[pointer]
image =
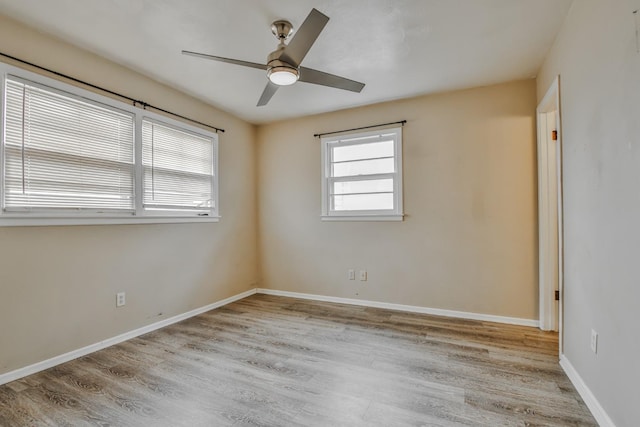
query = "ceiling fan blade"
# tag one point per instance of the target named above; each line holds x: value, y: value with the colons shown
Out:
x: 304, y: 38
x: 228, y: 60
x: 268, y: 92
x: 309, y: 75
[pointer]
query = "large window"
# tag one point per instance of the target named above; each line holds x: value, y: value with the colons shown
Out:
x: 73, y: 157
x: 362, y: 176
x: 64, y: 153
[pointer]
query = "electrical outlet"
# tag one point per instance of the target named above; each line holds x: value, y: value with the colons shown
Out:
x: 352, y: 274
x: 363, y: 275
x: 121, y: 299
x: 594, y: 341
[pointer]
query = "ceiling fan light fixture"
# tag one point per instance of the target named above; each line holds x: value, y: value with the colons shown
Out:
x: 283, y: 76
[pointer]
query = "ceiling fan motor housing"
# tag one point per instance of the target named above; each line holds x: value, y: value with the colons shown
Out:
x: 276, y: 65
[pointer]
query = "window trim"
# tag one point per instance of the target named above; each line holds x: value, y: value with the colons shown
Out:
x: 355, y: 138
x: 139, y: 215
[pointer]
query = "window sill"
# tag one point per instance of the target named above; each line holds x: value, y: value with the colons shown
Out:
x: 23, y: 221
x: 399, y: 217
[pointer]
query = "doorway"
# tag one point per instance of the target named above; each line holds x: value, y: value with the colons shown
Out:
x: 550, y: 255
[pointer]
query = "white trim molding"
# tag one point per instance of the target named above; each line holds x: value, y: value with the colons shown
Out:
x: 66, y: 357
x: 550, y: 212
x: 402, y: 307
x: 27, y: 220
x: 362, y: 218
x: 590, y: 400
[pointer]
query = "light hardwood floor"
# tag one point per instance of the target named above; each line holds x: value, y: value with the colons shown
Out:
x: 277, y: 361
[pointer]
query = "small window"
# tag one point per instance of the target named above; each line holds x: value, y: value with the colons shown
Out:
x: 178, y: 169
x: 362, y: 176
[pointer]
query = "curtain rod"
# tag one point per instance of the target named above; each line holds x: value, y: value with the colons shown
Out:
x: 401, y: 122
x: 135, y: 102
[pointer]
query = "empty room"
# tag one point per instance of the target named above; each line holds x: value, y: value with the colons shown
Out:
x: 319, y: 213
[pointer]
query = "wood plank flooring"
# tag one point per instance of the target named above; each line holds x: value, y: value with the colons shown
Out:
x: 275, y: 361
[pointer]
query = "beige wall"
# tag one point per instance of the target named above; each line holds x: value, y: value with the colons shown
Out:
x: 58, y: 284
x: 468, y: 242
x: 599, y: 67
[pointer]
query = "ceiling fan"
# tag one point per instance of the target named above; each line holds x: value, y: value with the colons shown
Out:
x: 283, y: 64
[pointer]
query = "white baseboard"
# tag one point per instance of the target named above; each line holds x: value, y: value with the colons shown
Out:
x: 401, y: 307
x: 57, y: 360
x: 590, y: 400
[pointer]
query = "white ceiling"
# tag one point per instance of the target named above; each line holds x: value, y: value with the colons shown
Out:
x: 399, y: 48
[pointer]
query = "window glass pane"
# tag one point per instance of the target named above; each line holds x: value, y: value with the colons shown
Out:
x: 367, y: 186
x: 361, y: 202
x: 65, y: 153
x: 364, y: 167
x: 178, y: 168
x: 363, y: 151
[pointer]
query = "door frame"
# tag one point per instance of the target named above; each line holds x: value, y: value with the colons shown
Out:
x: 548, y: 318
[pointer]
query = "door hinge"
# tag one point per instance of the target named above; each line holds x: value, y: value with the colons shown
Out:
x: 557, y: 295
x: 554, y: 135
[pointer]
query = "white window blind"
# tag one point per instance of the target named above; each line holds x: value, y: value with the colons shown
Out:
x: 62, y: 152
x: 362, y: 174
x: 178, y: 169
